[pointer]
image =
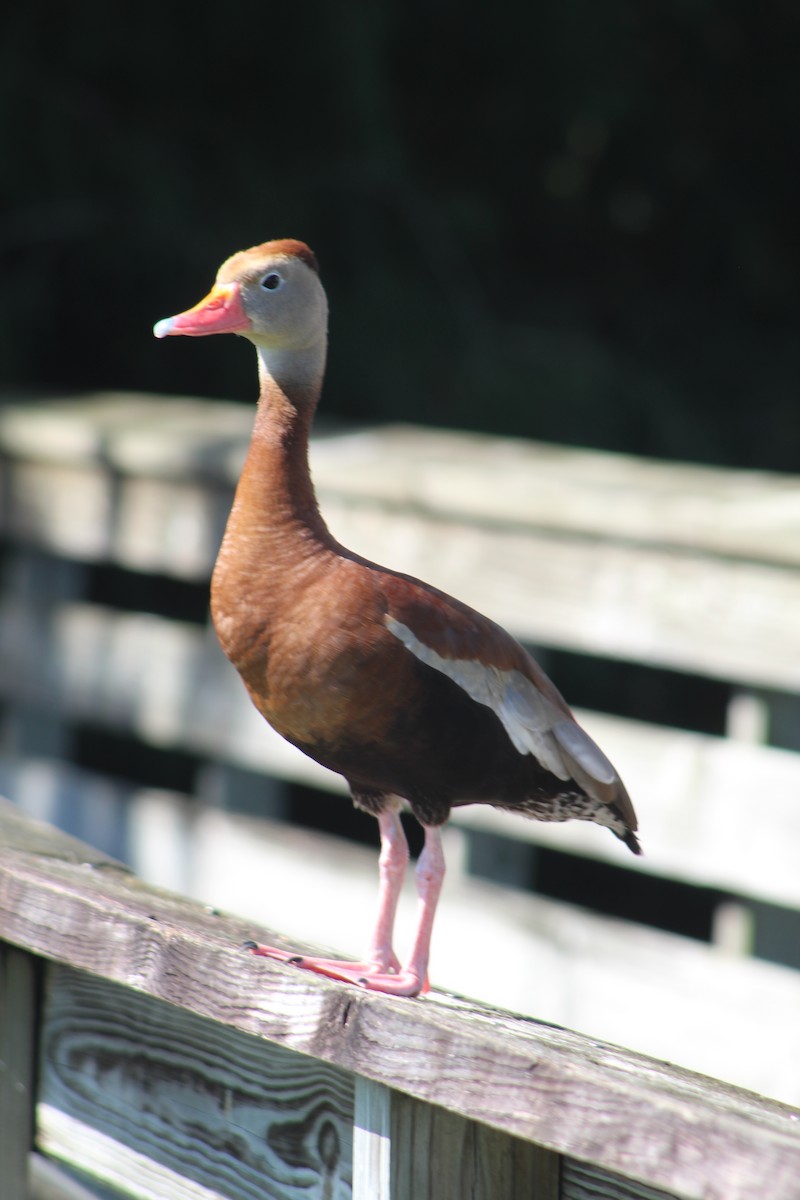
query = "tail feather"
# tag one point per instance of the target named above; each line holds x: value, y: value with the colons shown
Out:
x: 631, y: 841
x: 590, y: 768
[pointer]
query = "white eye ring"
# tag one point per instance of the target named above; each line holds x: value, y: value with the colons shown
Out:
x: 272, y: 281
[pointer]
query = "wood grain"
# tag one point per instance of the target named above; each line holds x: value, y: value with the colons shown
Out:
x: 635, y: 1116
x: 448, y: 1158
x: 372, y: 1142
x: 580, y: 1181
x: 49, y: 1180
x: 672, y: 997
x: 202, y: 1103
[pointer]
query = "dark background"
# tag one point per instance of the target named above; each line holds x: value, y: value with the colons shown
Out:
x: 570, y: 220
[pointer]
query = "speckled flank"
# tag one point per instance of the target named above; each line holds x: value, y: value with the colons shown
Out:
x: 570, y: 806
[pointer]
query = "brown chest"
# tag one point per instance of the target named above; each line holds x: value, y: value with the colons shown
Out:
x: 318, y: 661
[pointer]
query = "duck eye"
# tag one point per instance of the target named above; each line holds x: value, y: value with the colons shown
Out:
x: 272, y: 281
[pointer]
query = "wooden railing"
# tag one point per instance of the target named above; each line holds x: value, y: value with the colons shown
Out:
x: 143, y: 1049
x: 666, y: 565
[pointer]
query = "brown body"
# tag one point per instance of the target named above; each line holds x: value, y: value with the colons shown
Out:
x: 401, y: 689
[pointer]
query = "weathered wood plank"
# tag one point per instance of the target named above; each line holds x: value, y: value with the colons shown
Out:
x: 694, y: 795
x: 19, y: 835
x: 211, y: 1111
x: 724, y: 618
x: 643, y: 1119
x: 623, y: 579
x: 133, y: 433
x: 749, y: 514
x: 671, y: 997
x: 134, y: 1174
x: 580, y: 1181
x: 372, y: 1142
x: 143, y: 524
x: 445, y: 1157
x: 663, y: 995
x: 51, y: 1181
x: 18, y: 1003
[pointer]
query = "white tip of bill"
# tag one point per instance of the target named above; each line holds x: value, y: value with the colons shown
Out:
x: 163, y: 328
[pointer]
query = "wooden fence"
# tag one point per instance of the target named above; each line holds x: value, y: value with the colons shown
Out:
x: 143, y: 1050
x: 111, y: 509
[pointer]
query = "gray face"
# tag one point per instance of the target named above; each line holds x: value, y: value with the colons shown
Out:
x: 282, y: 297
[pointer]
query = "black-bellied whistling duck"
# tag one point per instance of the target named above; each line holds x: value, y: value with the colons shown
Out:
x: 413, y: 697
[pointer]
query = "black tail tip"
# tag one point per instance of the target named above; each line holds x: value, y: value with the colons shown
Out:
x: 631, y: 841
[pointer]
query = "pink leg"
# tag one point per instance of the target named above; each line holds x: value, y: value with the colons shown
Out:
x: 381, y: 958
x: 392, y: 866
x: 413, y: 978
x: 381, y: 971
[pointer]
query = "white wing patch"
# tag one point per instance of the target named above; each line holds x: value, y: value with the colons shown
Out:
x: 584, y: 755
x: 526, y: 715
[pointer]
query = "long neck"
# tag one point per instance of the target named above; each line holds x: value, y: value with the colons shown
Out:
x: 276, y: 485
x: 275, y: 529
